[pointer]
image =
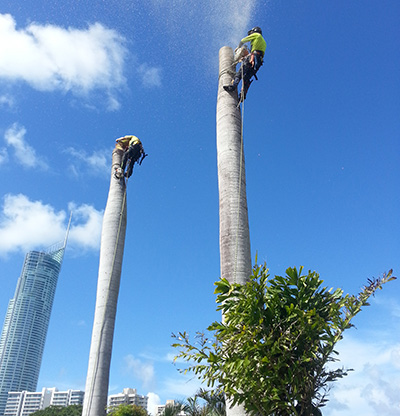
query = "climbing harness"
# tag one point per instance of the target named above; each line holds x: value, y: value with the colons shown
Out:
x: 136, y: 158
x: 248, y: 81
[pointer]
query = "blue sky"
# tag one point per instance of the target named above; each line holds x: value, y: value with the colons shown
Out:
x: 321, y: 137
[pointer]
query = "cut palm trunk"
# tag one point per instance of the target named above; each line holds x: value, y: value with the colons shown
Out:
x: 110, y: 265
x: 233, y: 216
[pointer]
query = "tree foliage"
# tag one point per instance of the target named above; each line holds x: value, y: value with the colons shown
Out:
x: 128, y: 410
x: 203, y: 403
x: 74, y: 410
x: 174, y: 408
x: 271, y: 350
x: 214, y: 402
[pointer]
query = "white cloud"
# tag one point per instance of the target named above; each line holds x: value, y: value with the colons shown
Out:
x: 151, y: 76
x: 167, y: 357
x: 7, y: 101
x: 144, y: 371
x: 392, y: 305
x: 50, y: 57
x: 24, y: 153
x: 170, y: 356
x: 95, y: 164
x: 26, y: 225
x: 372, y: 388
x: 183, y: 386
x: 152, y: 403
x: 3, y: 155
x: 381, y: 393
x: 86, y: 229
x: 113, y: 103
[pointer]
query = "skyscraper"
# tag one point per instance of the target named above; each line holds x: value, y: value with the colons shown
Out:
x: 26, y: 322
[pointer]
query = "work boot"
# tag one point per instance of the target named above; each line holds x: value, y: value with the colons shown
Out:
x: 118, y: 173
x: 229, y: 88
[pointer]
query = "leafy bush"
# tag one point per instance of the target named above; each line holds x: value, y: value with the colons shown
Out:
x: 271, y: 349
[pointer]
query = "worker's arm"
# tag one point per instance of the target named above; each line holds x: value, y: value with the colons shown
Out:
x: 247, y: 39
x: 257, y: 42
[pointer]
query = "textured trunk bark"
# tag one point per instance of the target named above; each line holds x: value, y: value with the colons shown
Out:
x: 233, y: 217
x: 111, y: 254
x: 234, y: 233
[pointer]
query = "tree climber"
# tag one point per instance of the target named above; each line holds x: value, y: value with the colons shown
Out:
x: 133, y: 151
x: 250, y: 63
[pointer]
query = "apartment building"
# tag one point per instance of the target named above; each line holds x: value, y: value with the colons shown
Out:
x: 23, y: 403
x: 128, y: 396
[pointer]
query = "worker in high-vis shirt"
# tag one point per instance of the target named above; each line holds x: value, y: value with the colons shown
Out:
x: 122, y: 143
x: 251, y: 63
x: 133, y: 151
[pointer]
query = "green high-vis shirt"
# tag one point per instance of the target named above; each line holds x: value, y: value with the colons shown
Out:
x: 257, y: 42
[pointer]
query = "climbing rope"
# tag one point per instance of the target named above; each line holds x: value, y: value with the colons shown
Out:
x: 108, y: 291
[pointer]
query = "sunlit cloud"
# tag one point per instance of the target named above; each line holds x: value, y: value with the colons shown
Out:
x: 164, y: 358
x: 86, y: 229
x: 181, y: 387
x: 3, y: 156
x: 113, y: 103
x: 144, y: 371
x: 391, y: 305
x: 152, y: 403
x: 151, y: 76
x: 23, y: 152
x: 372, y: 388
x: 49, y: 57
x: 96, y: 163
x: 6, y: 101
x: 32, y: 225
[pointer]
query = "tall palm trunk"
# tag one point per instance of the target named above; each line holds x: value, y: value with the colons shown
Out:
x: 234, y: 233
x: 111, y: 254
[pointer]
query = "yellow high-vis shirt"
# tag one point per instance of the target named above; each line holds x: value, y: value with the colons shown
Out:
x: 125, y: 141
x: 257, y: 42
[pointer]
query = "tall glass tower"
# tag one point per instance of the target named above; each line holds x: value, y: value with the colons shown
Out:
x: 26, y: 322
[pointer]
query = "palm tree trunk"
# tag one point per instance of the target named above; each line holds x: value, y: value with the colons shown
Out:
x: 233, y: 217
x: 111, y: 254
x: 234, y: 233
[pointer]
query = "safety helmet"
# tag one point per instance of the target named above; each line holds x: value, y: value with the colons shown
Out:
x: 255, y: 29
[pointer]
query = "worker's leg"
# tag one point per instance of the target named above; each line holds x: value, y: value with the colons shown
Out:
x: 124, y: 160
x: 130, y: 168
x: 135, y: 155
x: 238, y: 77
x: 247, y: 75
x: 257, y: 61
x: 236, y: 80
